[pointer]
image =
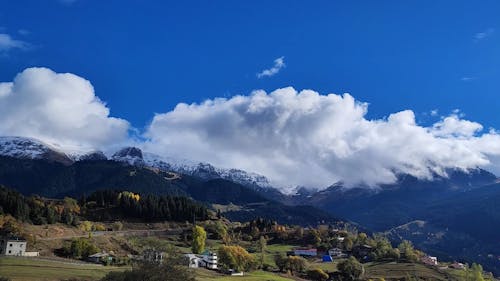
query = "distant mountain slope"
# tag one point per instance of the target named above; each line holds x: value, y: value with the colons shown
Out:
x: 395, y: 204
x: 53, y: 179
x: 454, y: 218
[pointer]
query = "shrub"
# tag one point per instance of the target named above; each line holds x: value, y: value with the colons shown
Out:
x: 317, y: 274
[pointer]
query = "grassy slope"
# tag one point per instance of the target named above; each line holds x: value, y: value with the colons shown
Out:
x: 394, y: 270
x: 23, y: 269
x: 205, y: 275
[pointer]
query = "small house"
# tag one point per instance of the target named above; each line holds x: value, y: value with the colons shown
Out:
x: 99, y: 257
x: 193, y: 260
x: 429, y: 260
x: 336, y: 253
x: 305, y: 252
x: 207, y: 260
x: 12, y: 246
x: 457, y: 265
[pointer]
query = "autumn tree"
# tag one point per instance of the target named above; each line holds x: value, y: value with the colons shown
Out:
x: 199, y: 238
x: 317, y: 274
x: 291, y: 263
x: 235, y: 257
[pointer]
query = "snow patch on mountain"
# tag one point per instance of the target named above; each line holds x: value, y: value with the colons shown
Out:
x: 205, y: 171
x: 26, y: 148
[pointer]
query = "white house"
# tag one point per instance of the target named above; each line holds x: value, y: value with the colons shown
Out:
x: 336, y: 253
x: 207, y: 259
x: 194, y: 261
x: 12, y: 246
x: 429, y: 260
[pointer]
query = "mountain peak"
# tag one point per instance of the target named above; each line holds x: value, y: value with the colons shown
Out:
x: 131, y: 155
x: 29, y: 148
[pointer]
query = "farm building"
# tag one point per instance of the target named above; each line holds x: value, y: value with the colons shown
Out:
x: 12, y: 246
x: 305, y: 252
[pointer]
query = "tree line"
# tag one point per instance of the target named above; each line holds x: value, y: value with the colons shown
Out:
x: 148, y: 207
x: 110, y: 203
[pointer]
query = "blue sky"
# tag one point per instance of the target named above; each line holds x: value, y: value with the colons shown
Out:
x: 146, y: 58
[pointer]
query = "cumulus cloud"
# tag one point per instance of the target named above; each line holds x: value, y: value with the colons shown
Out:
x: 308, y: 139
x: 58, y: 108
x: 295, y: 138
x: 279, y: 63
x: 7, y: 43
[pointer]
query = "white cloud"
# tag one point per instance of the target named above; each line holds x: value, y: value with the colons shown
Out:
x: 279, y: 63
x: 304, y: 138
x: 57, y: 108
x: 7, y: 43
x: 482, y: 35
x: 295, y: 138
x: 434, y: 112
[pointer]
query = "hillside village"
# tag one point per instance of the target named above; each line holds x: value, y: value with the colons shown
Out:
x: 209, y: 249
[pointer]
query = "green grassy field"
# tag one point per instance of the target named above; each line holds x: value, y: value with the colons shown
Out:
x: 25, y: 269
x: 273, y: 249
x: 394, y: 270
x: 207, y: 275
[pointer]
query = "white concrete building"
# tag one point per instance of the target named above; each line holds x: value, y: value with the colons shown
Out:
x: 210, y: 260
x: 12, y: 246
x: 207, y: 259
x: 194, y: 261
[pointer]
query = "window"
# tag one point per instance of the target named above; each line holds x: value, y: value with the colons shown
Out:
x: 10, y: 252
x: 10, y: 245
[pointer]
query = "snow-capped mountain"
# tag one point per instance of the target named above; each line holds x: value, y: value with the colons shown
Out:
x: 29, y: 148
x: 134, y: 156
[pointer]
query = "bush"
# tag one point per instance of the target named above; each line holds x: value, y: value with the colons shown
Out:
x: 350, y: 269
x: 117, y: 226
x: 317, y: 274
x: 80, y: 248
